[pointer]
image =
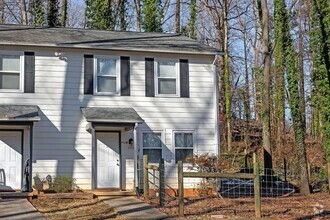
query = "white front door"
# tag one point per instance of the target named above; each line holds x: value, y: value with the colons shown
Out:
x: 108, y: 160
x: 10, y: 160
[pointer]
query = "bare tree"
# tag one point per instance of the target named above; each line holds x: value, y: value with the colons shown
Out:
x: 267, y: 62
x: 177, y: 16
x: 137, y: 4
x: 22, y: 5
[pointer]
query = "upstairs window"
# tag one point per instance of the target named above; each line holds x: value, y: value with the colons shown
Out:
x: 184, y: 145
x: 107, y: 72
x: 167, y: 82
x: 152, y: 146
x: 10, y: 72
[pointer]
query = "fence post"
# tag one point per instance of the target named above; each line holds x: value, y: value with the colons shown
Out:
x: 161, y: 182
x: 181, y: 193
x: 145, y: 177
x: 257, y: 199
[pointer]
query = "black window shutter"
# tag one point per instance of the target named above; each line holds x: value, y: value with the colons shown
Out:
x: 184, y: 78
x: 125, y: 76
x: 29, y: 72
x: 88, y: 74
x: 150, y: 83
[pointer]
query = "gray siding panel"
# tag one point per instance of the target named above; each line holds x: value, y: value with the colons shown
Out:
x: 125, y: 88
x: 150, y: 82
x: 29, y: 72
x: 88, y: 74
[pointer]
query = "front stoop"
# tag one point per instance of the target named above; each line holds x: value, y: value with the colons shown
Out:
x: 16, y: 195
x: 113, y: 193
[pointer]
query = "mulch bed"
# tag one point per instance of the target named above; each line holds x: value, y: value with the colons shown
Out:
x: 73, y: 208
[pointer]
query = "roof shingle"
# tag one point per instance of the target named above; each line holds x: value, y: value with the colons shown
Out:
x: 100, y: 39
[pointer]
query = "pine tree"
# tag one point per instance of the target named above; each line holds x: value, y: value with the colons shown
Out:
x: 39, y: 13
x: 152, y: 15
x: 53, y: 13
x: 99, y: 14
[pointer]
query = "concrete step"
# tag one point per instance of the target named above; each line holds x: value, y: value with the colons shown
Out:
x: 15, y: 195
x: 113, y: 193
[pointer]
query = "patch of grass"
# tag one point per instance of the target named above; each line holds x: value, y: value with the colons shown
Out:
x: 74, y: 209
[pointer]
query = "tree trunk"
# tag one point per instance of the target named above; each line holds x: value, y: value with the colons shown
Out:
x: 122, y: 15
x: 227, y: 77
x: 177, y: 16
x: 138, y: 15
x: 246, y: 94
x: 31, y: 12
x: 64, y: 14
x: 301, y: 64
x: 2, y: 11
x: 192, y: 19
x: 22, y: 5
x: 266, y: 86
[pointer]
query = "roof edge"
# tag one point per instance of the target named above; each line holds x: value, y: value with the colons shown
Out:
x: 221, y: 53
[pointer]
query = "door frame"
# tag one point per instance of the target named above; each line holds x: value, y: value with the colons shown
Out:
x: 120, y: 156
x: 22, y: 150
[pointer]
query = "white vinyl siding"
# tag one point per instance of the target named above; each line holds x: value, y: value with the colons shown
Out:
x: 62, y: 146
x: 167, y: 77
x: 107, y: 75
x: 11, y: 71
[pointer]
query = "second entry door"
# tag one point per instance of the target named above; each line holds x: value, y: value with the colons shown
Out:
x: 108, y: 160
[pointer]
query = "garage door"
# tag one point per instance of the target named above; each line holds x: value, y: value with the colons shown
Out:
x: 10, y: 159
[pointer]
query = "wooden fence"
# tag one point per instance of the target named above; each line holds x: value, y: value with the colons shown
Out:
x: 255, y: 176
x: 153, y: 168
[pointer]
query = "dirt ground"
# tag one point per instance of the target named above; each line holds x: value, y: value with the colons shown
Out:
x: 315, y: 206
x: 73, y: 208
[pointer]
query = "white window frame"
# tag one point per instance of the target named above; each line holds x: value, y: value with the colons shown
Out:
x: 117, y: 58
x: 162, y: 138
x: 194, y: 148
x: 177, y: 70
x: 21, y: 73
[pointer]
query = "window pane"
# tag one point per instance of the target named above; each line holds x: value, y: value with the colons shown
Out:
x: 152, y: 140
x: 184, y: 140
x: 9, y: 80
x: 106, y: 67
x: 166, y: 86
x: 183, y: 154
x: 166, y: 69
x: 154, y: 155
x: 106, y: 84
x: 9, y: 63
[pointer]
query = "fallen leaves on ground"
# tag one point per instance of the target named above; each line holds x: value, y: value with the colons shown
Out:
x: 315, y: 206
x: 74, y: 208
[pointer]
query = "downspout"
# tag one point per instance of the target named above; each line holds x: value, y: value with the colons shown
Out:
x: 136, y: 183
x: 216, y: 104
x: 31, y: 158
